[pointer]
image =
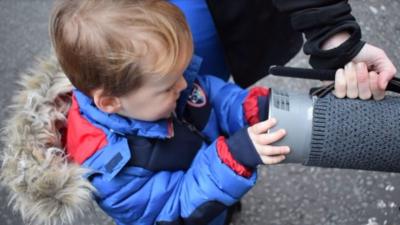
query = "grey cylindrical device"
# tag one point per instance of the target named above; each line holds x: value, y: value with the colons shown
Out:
x: 294, y: 113
x: 339, y: 133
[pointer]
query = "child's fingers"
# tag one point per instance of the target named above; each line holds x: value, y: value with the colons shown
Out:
x: 274, y: 150
x: 269, y: 160
x: 263, y: 126
x: 351, y: 80
x: 268, y: 138
x: 340, y: 84
x: 377, y: 93
x: 364, y: 91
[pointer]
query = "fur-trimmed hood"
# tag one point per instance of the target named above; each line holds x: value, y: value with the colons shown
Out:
x: 44, y: 187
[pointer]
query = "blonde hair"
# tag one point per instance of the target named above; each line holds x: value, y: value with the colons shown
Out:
x: 113, y: 44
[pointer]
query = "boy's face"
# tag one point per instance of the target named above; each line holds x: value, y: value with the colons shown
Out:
x: 156, y: 98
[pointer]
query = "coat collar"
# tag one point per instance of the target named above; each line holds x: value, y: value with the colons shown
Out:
x: 123, y: 125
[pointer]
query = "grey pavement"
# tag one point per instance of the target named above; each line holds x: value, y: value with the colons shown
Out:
x: 284, y: 194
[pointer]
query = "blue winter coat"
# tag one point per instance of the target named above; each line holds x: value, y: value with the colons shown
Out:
x: 192, y: 182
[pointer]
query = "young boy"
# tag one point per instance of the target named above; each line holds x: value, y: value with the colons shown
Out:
x: 164, y: 145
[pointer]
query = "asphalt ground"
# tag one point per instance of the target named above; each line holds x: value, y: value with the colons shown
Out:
x: 284, y: 194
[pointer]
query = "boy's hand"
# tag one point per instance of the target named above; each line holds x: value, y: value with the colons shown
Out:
x: 355, y: 81
x: 261, y: 140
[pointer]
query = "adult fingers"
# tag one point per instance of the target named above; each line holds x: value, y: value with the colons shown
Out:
x: 351, y: 80
x: 384, y: 78
x: 340, y: 84
x: 377, y: 93
x: 364, y: 91
x: 385, y: 69
x: 379, y: 62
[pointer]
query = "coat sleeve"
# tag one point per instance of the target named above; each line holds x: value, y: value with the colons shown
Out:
x: 196, y: 196
x: 235, y: 107
x: 319, y: 20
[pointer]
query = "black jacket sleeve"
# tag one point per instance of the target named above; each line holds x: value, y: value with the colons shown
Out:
x: 254, y: 35
x: 319, y: 20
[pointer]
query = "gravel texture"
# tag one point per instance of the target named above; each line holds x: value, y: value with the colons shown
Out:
x: 285, y: 194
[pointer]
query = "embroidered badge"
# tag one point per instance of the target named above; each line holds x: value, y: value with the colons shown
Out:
x: 198, y: 97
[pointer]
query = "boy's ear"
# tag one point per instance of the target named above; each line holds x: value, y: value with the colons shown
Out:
x: 106, y: 103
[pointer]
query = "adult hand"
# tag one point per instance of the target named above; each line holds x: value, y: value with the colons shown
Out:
x: 355, y: 81
x: 378, y: 62
x: 376, y: 69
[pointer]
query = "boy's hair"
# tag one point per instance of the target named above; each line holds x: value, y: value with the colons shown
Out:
x: 112, y: 44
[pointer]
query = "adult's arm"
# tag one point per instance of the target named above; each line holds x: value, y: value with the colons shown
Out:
x: 334, y: 37
x: 321, y: 20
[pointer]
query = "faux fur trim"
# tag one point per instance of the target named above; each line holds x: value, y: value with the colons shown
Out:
x: 44, y: 187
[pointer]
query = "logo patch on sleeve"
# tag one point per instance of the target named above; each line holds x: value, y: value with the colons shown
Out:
x: 198, y: 97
